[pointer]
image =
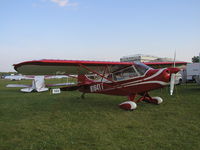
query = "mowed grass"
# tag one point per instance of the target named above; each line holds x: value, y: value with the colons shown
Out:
x: 42, y: 121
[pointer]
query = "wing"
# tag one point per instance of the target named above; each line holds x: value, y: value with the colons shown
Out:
x: 165, y: 64
x: 53, y: 67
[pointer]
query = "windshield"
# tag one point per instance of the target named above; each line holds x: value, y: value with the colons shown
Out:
x: 141, y: 68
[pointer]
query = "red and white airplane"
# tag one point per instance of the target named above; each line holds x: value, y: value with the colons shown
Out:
x: 113, y: 78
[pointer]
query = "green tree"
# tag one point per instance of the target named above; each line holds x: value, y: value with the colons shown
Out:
x: 195, y: 59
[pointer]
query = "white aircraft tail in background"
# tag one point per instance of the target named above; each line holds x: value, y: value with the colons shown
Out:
x: 38, y: 85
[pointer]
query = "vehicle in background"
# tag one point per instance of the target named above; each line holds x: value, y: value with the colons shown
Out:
x: 191, y: 73
x: 197, y: 79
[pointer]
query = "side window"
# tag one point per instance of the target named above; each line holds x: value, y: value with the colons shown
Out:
x: 129, y: 73
x: 125, y: 74
x: 118, y: 76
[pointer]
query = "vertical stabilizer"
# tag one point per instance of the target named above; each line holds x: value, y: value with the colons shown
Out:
x: 39, y: 84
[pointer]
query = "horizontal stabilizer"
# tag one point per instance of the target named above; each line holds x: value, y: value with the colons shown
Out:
x: 18, y: 85
x: 60, y: 84
x: 42, y: 89
x: 27, y: 90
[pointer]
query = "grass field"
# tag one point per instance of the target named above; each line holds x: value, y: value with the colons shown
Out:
x: 41, y: 121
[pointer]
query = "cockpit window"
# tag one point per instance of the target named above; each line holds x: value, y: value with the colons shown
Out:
x: 141, y: 68
x: 125, y: 74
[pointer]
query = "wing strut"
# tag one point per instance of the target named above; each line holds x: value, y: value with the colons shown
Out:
x: 103, y: 76
x: 97, y: 73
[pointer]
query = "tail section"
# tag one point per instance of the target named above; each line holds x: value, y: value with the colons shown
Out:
x: 82, y: 79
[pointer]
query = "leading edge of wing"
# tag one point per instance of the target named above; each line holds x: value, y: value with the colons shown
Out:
x: 154, y: 65
x: 48, y: 66
x: 166, y: 63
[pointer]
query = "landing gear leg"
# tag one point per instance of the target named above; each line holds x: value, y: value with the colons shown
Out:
x: 131, y: 104
x: 147, y: 98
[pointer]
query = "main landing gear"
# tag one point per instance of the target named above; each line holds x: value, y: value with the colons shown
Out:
x: 131, y: 104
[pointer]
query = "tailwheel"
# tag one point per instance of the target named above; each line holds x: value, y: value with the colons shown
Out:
x: 128, y: 105
x: 83, y: 96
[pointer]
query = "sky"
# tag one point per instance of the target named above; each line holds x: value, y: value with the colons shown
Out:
x: 97, y: 29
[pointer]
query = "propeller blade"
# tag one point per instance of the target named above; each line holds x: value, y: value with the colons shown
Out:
x: 173, y: 71
x: 172, y: 81
x: 174, y: 59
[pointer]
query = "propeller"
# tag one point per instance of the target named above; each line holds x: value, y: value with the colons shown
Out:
x: 172, y: 80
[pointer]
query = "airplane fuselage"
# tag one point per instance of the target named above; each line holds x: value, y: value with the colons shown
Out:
x: 151, y: 80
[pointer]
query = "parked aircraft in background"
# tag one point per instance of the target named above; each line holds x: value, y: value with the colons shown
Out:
x: 16, y: 77
x: 38, y: 83
x: 112, y: 78
x: 31, y: 77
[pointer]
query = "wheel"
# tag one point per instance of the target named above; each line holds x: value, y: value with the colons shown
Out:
x: 128, y: 105
x: 180, y: 81
x: 158, y: 100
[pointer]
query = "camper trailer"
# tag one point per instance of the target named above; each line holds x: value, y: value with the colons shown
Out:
x: 192, y: 70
